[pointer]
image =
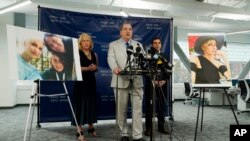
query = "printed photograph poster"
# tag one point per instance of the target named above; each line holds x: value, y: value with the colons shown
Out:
x: 208, y: 58
x: 40, y: 55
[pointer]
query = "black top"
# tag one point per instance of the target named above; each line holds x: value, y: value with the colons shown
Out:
x: 85, y: 93
x: 85, y: 62
x: 208, y: 73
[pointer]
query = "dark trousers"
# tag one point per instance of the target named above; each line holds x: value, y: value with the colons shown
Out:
x: 160, y: 104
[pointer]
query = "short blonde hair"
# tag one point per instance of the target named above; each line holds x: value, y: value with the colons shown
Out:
x: 81, y: 38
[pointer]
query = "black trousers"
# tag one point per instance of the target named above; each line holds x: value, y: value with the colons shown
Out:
x: 160, y: 104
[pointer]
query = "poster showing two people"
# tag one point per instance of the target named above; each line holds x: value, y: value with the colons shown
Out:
x: 40, y: 55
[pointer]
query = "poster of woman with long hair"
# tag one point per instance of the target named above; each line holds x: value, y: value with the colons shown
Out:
x: 208, y: 58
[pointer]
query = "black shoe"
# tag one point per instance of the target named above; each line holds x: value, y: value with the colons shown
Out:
x: 78, y: 134
x: 141, y: 139
x: 163, y: 130
x: 93, y: 132
x: 147, y: 132
x: 125, y: 138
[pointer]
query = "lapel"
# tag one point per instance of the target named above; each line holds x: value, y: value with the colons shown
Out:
x: 121, y: 49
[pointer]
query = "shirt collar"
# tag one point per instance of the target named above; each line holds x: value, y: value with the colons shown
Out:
x: 123, y: 42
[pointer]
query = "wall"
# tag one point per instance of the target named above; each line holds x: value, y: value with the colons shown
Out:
x: 178, y: 91
x: 7, y: 86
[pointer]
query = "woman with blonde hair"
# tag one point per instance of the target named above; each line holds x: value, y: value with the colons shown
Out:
x: 212, y: 64
x: 33, y: 49
x: 85, y: 91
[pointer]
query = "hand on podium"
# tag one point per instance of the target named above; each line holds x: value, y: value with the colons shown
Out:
x: 116, y: 70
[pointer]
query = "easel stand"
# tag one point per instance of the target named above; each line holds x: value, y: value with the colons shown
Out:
x: 33, y: 98
x: 201, y: 103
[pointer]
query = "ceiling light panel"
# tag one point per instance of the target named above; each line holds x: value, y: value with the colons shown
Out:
x: 14, y: 6
x: 232, y: 16
x: 4, y: 3
x: 228, y: 3
x: 138, y: 4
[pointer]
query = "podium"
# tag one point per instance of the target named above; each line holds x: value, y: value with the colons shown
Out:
x: 139, y: 72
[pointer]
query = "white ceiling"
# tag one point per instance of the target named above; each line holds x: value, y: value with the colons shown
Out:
x: 187, y: 14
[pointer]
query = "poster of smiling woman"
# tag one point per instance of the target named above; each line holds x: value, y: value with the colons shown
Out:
x: 39, y: 55
x: 208, y: 58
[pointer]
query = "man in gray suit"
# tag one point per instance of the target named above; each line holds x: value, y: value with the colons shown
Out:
x: 128, y: 86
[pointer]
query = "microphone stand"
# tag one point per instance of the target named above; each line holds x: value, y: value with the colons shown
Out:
x: 153, y: 71
x: 130, y: 88
x: 152, y: 100
x: 168, y: 72
x: 130, y: 68
x: 166, y: 98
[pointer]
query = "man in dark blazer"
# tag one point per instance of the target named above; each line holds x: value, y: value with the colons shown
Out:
x: 160, y: 84
x: 129, y: 86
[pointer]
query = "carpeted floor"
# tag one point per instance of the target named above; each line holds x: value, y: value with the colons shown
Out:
x: 216, y: 123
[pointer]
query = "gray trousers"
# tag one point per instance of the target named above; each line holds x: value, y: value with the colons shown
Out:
x: 136, y: 96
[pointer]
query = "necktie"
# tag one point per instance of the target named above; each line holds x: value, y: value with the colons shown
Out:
x: 127, y: 45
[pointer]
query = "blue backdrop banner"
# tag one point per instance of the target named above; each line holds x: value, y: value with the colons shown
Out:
x: 104, y: 29
x: 55, y: 108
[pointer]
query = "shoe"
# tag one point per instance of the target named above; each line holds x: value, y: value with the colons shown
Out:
x: 93, y: 132
x: 125, y: 138
x: 163, y: 131
x: 77, y: 134
x: 147, y: 132
x: 141, y: 139
x: 80, y: 137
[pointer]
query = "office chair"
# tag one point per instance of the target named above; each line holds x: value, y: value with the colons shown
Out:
x: 243, y: 100
x: 189, y: 92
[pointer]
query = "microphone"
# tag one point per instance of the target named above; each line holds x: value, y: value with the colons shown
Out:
x: 148, y: 55
x: 140, y: 51
x: 165, y: 60
x: 137, y: 51
x: 152, y: 54
x: 155, y: 56
x: 160, y: 56
x: 164, y: 64
x: 130, y: 50
x: 158, y: 60
x: 139, y: 57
